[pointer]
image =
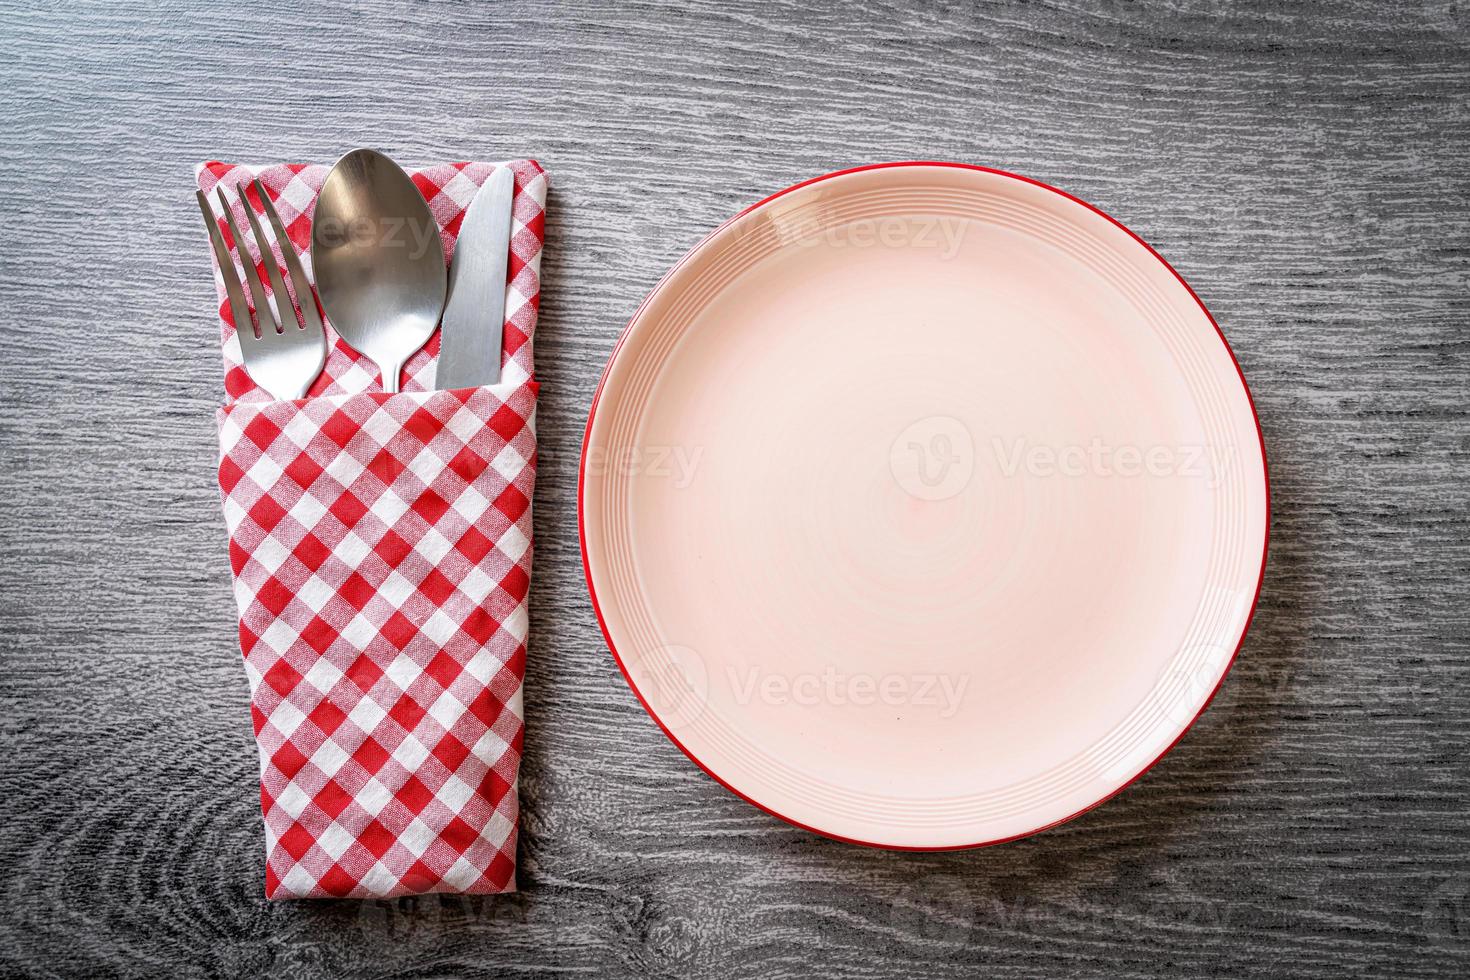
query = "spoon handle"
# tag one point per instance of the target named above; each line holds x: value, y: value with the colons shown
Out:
x: 390, y: 373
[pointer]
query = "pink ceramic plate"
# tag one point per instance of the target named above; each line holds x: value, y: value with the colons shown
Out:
x: 923, y: 506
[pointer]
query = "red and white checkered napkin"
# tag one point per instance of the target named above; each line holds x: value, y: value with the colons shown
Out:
x: 381, y: 547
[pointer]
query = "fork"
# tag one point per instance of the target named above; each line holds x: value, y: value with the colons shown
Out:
x: 283, y: 354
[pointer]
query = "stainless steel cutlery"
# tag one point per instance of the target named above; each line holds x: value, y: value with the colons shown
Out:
x: 470, y: 339
x: 379, y: 261
x: 284, y: 353
x: 380, y: 277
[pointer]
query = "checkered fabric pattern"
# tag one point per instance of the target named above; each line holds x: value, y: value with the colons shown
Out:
x: 381, y: 548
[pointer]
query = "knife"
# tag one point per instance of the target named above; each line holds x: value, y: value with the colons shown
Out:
x: 474, y: 316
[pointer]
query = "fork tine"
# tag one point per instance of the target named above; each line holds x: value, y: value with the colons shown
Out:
x: 239, y: 309
x: 309, y: 316
x: 252, y: 278
x: 286, y: 315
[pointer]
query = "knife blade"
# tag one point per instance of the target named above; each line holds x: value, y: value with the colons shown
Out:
x: 474, y: 316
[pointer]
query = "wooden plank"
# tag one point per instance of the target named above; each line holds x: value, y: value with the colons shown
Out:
x: 1305, y: 167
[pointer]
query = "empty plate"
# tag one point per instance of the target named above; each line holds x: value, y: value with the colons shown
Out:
x: 923, y: 506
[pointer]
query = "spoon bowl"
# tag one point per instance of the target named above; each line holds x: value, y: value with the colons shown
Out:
x: 378, y: 260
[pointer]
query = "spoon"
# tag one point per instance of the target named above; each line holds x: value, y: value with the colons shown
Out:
x: 379, y: 261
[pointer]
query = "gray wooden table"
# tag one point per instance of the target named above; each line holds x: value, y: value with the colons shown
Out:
x: 1306, y: 167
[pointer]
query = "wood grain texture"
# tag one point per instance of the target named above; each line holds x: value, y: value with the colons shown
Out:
x: 1305, y: 167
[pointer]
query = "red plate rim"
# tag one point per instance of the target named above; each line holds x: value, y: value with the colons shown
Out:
x: 582, y: 480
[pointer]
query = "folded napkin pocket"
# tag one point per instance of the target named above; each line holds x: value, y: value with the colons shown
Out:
x: 381, y: 549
